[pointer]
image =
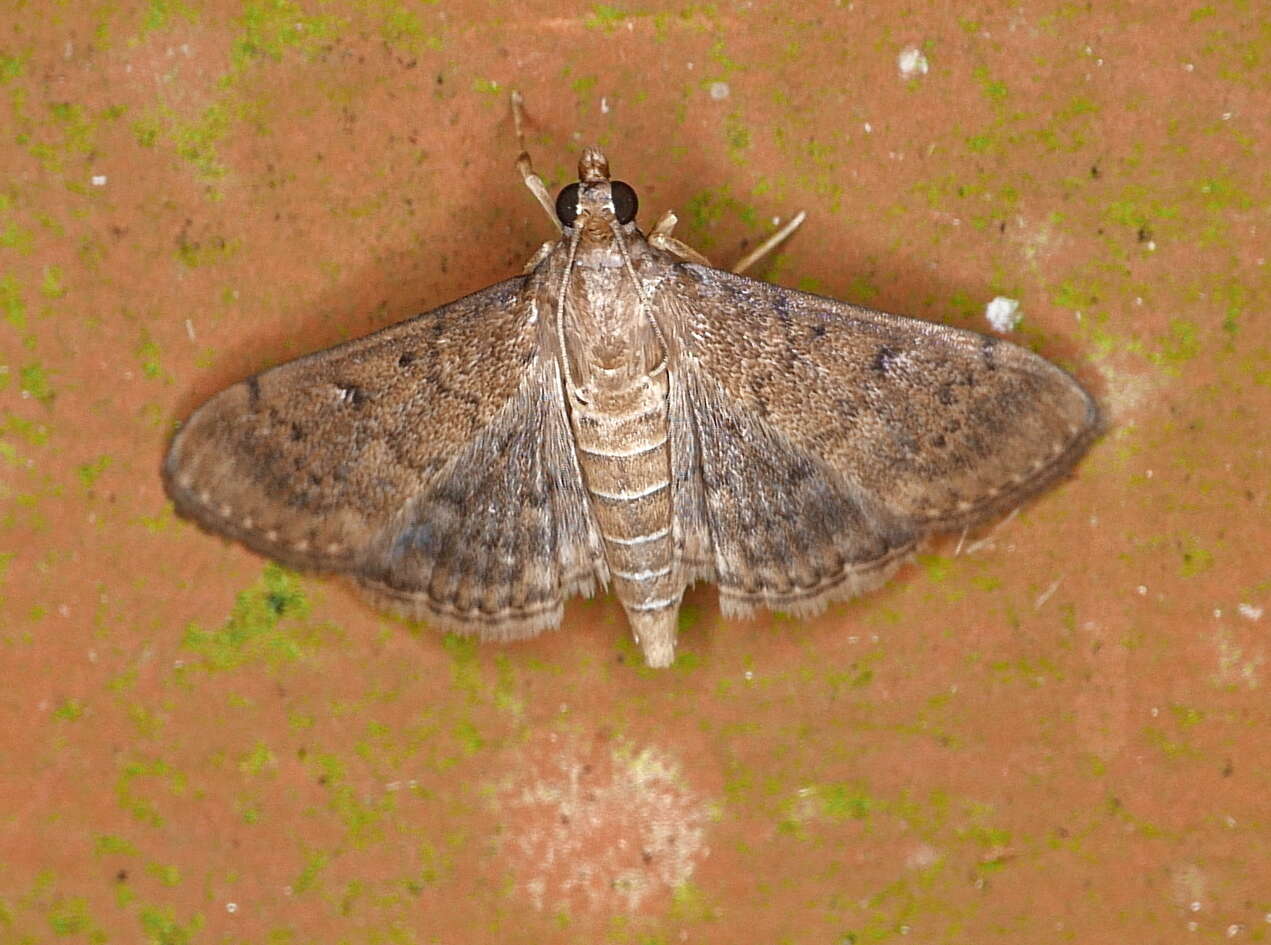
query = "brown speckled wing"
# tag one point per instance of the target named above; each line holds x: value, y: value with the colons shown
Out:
x: 425, y: 460
x: 830, y: 438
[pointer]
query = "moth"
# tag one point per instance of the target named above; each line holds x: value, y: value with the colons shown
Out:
x: 624, y: 415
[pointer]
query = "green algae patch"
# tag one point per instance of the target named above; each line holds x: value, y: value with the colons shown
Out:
x: 198, y: 253
x: 402, y: 28
x: 271, y: 28
x: 51, y: 286
x: 1196, y: 560
x: 11, y: 67
x: 162, y: 927
x: 994, y: 89
x: 1181, y: 345
x: 1186, y: 716
x: 109, y: 845
x: 686, y: 660
x: 708, y: 207
x: 71, y: 710
x: 34, y: 382
x: 257, y: 761
x: 845, y: 802
x: 148, y: 354
x: 196, y: 141
x: 71, y: 917
x: 307, y: 878
x: 465, y: 672
x: 91, y: 471
x: 689, y: 904
x: 131, y: 786
x: 605, y: 17
x: 166, y: 874
x: 160, y: 14
x: 836, y: 802
x: 13, y: 236
x: 738, y: 137
x: 936, y: 566
x: 266, y: 623
x: 12, y: 307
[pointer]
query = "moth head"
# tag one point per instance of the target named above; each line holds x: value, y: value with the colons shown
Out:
x: 595, y: 196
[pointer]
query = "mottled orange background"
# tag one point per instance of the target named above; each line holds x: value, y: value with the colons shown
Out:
x: 1054, y: 731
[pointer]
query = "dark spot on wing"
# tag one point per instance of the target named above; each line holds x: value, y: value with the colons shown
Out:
x: 352, y: 394
x: 884, y: 358
x: 988, y: 352
x: 253, y: 391
x: 406, y: 359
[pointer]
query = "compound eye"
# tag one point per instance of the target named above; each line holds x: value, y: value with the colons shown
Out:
x: 567, y: 205
x: 625, y: 203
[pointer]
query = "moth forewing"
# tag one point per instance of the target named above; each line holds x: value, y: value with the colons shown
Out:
x: 624, y: 415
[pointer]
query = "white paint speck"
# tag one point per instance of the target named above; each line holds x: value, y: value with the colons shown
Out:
x: 600, y: 825
x: 604, y: 105
x: 99, y: 180
x: 231, y: 907
x: 912, y: 63
x: 868, y: 128
x: 189, y: 329
x: 1249, y: 611
x: 922, y: 857
x: 1003, y: 314
x: 720, y: 91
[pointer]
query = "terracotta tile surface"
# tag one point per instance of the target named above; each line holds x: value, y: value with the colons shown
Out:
x: 1059, y: 734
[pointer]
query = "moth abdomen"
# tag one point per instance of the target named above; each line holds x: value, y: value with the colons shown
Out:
x: 622, y: 442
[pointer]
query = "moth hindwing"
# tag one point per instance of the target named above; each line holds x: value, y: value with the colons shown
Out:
x: 624, y: 415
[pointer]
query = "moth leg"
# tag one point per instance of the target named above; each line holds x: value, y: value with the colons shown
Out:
x: 523, y: 164
x: 660, y: 236
x: 771, y: 243
x: 664, y: 226
x: 542, y: 253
